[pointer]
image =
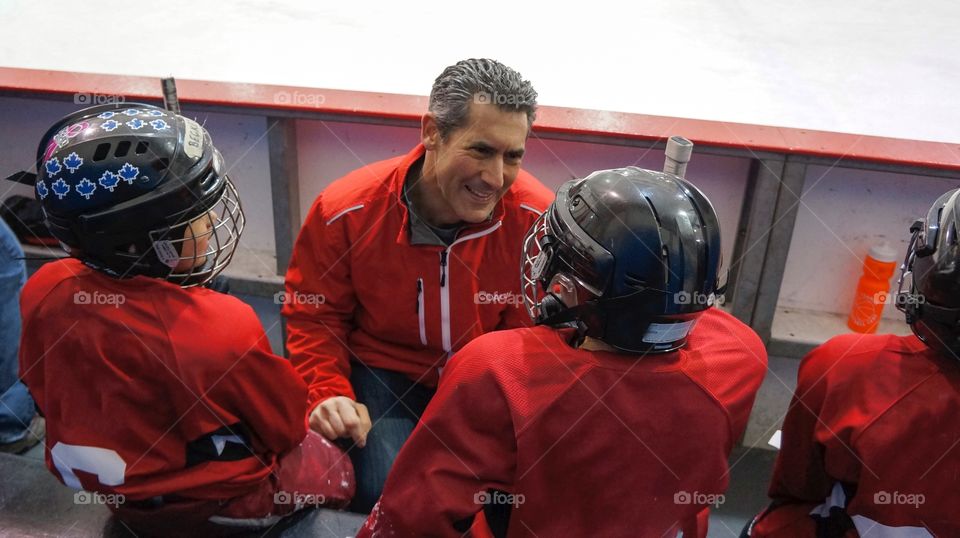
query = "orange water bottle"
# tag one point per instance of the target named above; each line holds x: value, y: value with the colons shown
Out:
x: 873, y: 290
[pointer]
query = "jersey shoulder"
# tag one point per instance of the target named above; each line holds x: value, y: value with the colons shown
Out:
x: 849, y: 355
x: 529, y: 368
x: 508, y: 349
x: 365, y: 185
x: 51, y: 274
x: 728, y: 361
x: 210, y: 313
x: 851, y: 365
x: 722, y: 339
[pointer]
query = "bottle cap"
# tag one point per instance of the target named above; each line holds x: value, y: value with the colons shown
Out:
x: 884, y: 253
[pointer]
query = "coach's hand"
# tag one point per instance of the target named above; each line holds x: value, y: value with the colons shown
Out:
x: 340, y: 416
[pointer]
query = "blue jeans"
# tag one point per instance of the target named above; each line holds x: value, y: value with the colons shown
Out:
x: 16, y: 405
x: 395, y: 404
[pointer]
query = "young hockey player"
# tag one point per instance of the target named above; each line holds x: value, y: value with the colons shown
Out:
x: 869, y: 445
x: 616, y: 414
x: 161, y: 396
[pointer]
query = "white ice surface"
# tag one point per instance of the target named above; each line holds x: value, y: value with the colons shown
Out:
x: 888, y: 68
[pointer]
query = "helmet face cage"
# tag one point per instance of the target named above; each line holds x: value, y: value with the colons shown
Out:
x: 220, y: 229
x: 923, y: 242
x: 906, y: 290
x: 533, y: 264
x: 541, y: 274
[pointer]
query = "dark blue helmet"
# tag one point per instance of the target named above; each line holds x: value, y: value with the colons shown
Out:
x: 631, y: 256
x: 929, y: 286
x: 120, y: 183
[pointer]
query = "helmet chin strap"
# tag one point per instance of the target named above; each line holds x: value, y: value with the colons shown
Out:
x: 553, y: 312
x: 578, y: 337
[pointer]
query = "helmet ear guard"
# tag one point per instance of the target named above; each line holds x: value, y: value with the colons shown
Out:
x: 551, y: 289
x: 550, y: 297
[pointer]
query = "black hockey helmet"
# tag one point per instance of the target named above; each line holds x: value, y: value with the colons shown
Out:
x: 120, y: 184
x: 631, y: 256
x: 929, y: 285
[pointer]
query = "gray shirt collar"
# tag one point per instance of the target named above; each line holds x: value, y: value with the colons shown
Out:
x: 422, y: 232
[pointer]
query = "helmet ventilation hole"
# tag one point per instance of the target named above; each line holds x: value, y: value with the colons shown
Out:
x: 142, y: 148
x: 654, y: 209
x: 634, y: 280
x: 122, y: 149
x: 101, y: 152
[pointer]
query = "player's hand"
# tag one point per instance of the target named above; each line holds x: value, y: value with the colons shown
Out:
x: 340, y: 416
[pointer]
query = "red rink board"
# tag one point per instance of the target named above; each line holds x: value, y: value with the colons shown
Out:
x: 595, y: 123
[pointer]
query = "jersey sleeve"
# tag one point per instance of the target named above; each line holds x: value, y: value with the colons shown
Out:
x: 265, y: 392
x: 732, y: 366
x: 31, y: 369
x: 32, y: 350
x: 464, y: 446
x: 800, y: 471
x: 319, y: 305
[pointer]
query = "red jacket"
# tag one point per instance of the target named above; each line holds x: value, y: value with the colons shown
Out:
x: 879, y: 414
x: 357, y: 288
x: 583, y: 443
x: 152, y: 389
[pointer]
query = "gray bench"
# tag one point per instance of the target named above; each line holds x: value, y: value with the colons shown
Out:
x: 34, y: 503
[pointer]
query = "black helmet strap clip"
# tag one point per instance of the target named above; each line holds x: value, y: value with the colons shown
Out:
x: 554, y: 313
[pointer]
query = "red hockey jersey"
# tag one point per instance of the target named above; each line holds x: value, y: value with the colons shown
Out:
x: 873, y: 425
x: 579, y: 443
x: 151, y: 389
x: 357, y: 288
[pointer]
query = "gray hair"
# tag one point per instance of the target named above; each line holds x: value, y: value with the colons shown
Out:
x: 481, y: 81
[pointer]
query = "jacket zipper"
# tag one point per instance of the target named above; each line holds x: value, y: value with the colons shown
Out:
x: 445, y: 289
x: 420, y: 313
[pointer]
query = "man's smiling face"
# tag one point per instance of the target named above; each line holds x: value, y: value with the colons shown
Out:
x: 475, y: 164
